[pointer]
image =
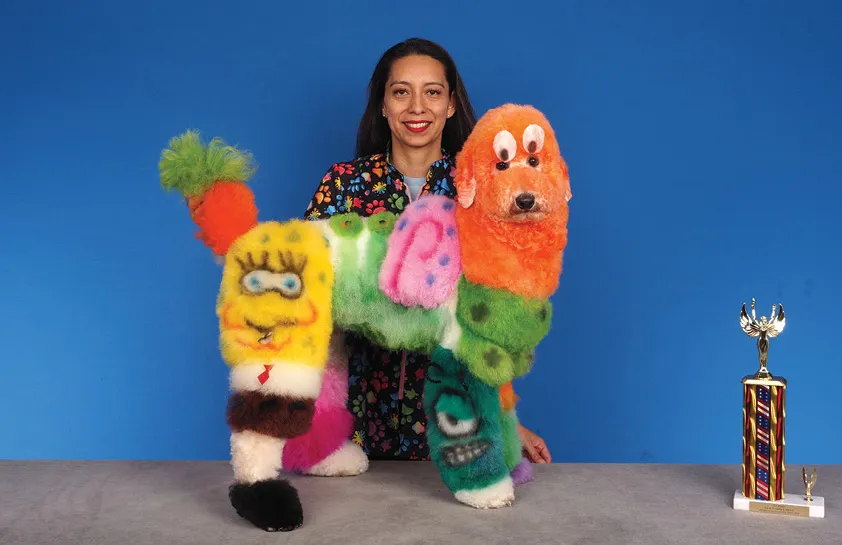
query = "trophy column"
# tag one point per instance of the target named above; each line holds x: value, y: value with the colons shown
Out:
x: 764, y: 419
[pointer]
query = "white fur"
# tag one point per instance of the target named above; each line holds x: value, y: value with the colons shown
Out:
x: 362, y: 245
x: 452, y: 331
x: 348, y: 460
x: 500, y: 494
x: 285, y: 378
x: 255, y: 457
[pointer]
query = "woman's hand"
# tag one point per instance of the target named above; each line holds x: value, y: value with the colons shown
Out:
x: 533, y: 446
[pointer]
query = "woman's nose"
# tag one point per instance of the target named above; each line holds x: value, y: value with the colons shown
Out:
x: 417, y: 104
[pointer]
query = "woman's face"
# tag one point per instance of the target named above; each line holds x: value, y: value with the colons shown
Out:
x: 418, y: 101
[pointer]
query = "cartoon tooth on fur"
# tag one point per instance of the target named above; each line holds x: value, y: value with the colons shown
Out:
x: 466, y: 281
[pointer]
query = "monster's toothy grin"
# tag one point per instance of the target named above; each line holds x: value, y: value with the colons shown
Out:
x: 463, y: 454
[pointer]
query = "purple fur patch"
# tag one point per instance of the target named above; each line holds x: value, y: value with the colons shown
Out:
x: 522, y: 473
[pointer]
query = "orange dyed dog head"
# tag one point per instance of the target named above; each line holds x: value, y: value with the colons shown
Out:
x: 511, y: 167
x: 513, y: 191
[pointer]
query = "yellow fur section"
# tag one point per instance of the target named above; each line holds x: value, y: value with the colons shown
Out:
x: 277, y: 285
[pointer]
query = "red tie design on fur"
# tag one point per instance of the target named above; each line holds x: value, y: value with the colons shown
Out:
x: 264, y: 376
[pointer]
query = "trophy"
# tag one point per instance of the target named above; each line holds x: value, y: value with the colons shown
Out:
x: 764, y: 420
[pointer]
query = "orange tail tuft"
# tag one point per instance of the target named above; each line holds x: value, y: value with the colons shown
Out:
x: 223, y: 213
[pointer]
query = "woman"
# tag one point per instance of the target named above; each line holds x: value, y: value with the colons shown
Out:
x: 417, y: 118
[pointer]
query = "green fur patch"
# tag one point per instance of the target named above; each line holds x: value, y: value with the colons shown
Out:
x: 465, y: 431
x: 358, y: 303
x: 500, y: 331
x: 191, y: 167
x: 512, y: 445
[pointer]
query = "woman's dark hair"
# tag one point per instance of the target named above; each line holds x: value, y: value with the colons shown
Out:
x: 374, y: 134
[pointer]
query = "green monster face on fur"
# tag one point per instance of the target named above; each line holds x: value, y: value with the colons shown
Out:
x: 464, y: 433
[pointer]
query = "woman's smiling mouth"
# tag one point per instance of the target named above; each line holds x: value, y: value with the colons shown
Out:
x: 417, y: 126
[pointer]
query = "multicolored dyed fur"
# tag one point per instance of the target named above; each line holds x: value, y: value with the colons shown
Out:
x: 487, y: 334
x: 406, y: 284
x: 286, y: 406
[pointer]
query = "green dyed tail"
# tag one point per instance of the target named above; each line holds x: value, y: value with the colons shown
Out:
x: 191, y: 167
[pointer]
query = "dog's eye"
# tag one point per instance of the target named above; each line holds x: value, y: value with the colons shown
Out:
x: 502, y: 165
x: 505, y: 146
x: 533, y: 161
x: 533, y: 138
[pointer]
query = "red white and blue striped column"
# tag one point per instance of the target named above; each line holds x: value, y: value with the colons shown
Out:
x: 764, y: 414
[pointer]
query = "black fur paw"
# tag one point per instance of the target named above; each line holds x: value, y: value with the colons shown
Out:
x: 271, y: 505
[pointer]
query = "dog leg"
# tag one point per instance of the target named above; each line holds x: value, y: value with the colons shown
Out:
x: 466, y: 437
x: 326, y: 450
x: 261, y: 423
x: 257, y: 494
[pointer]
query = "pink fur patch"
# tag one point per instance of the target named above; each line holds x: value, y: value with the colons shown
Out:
x: 332, y: 425
x: 423, y: 264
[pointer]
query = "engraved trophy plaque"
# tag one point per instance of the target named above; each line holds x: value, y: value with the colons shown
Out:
x: 764, y: 423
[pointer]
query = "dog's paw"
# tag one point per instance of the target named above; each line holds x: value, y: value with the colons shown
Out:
x: 348, y: 460
x: 272, y: 505
x: 499, y: 494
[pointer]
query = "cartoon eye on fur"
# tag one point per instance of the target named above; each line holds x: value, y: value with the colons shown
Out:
x: 533, y: 138
x: 533, y: 142
x: 505, y: 147
x: 288, y: 284
x: 456, y: 417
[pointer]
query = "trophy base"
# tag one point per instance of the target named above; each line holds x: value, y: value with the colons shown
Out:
x: 796, y: 505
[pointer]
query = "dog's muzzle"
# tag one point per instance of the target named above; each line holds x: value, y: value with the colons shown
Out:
x: 525, y: 202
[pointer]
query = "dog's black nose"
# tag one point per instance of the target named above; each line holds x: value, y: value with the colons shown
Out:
x: 525, y: 201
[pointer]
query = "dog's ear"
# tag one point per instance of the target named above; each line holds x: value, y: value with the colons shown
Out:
x: 466, y: 192
x: 466, y: 183
x: 565, y: 179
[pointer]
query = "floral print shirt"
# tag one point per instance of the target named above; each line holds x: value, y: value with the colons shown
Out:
x: 385, y: 388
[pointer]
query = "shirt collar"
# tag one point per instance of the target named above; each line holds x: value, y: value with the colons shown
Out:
x: 444, y: 163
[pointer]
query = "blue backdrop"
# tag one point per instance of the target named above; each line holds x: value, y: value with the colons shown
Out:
x: 704, y: 146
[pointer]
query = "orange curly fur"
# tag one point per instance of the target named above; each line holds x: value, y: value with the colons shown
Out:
x: 223, y: 213
x: 521, y: 253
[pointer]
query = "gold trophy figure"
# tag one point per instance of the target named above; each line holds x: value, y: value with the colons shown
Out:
x: 764, y: 419
x: 763, y: 330
x: 808, y: 483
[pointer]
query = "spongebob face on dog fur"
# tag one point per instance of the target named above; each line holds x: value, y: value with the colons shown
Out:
x: 275, y: 295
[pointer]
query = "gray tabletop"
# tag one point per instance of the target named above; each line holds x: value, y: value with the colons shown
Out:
x: 400, y: 503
